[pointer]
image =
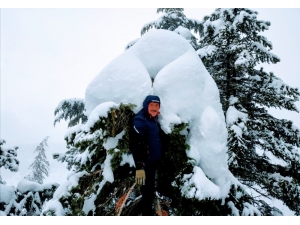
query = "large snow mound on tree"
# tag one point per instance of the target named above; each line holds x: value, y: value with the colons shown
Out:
x: 128, y: 77
x: 165, y: 64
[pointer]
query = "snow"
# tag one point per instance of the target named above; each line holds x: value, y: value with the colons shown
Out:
x: 237, y: 130
x: 206, y: 50
x: 279, y: 177
x: 89, y: 204
x: 26, y: 186
x: 127, y: 159
x: 83, y: 157
x: 250, y: 210
x: 112, y: 142
x: 107, y: 173
x: 208, y: 147
x: 165, y: 64
x: 244, y: 59
x: 131, y: 43
x: 128, y: 77
x: 7, y: 193
x: 197, y: 185
x: 233, y: 115
x: 239, y: 18
x: 54, y: 205
x: 71, y: 101
x: 217, y: 24
x: 234, y: 210
x: 99, y: 111
x: 184, y: 32
x: 62, y: 190
x: 261, y: 48
x: 8, y: 157
x: 72, y: 181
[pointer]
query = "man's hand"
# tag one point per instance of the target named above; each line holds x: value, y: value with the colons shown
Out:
x: 140, y: 177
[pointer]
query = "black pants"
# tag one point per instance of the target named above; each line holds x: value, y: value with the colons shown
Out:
x: 148, y: 190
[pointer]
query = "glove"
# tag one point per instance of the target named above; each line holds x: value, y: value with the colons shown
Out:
x: 140, y: 177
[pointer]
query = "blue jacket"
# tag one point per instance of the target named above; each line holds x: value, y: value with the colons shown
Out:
x: 145, y: 140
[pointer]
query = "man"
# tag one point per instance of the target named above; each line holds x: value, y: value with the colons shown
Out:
x: 146, y: 148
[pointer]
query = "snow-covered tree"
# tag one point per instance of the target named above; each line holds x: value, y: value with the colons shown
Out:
x: 9, y: 161
x: 8, y: 158
x: 174, y: 19
x: 26, y: 199
x: 194, y: 170
x: 93, y: 154
x: 72, y: 110
x: 40, y: 166
x: 263, y: 150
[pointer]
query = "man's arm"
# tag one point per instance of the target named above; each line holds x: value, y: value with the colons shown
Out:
x: 137, y: 142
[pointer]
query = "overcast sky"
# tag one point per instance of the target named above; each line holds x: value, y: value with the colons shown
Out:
x: 48, y: 55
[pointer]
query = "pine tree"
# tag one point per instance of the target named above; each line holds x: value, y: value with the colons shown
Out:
x: 263, y: 150
x: 102, y: 177
x: 175, y: 20
x: 9, y: 161
x: 101, y: 173
x: 40, y: 165
x: 70, y: 109
x: 8, y: 157
x: 28, y: 198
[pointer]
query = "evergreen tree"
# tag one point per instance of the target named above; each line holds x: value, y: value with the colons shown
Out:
x: 102, y: 173
x: 175, y: 20
x: 40, y: 165
x: 70, y: 109
x: 9, y: 161
x: 102, y: 181
x: 263, y: 150
x: 28, y: 198
x: 8, y: 157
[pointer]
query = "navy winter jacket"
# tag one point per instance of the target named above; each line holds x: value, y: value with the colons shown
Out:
x: 145, y: 142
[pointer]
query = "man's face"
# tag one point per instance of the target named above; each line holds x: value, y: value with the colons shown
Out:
x: 153, y: 109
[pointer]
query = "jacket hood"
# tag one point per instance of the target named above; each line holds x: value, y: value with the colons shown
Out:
x: 148, y: 99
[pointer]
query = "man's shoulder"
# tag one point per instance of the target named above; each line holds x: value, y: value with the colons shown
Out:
x: 139, y: 115
x: 139, y: 119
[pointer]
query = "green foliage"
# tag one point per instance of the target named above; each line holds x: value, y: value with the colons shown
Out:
x: 70, y: 109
